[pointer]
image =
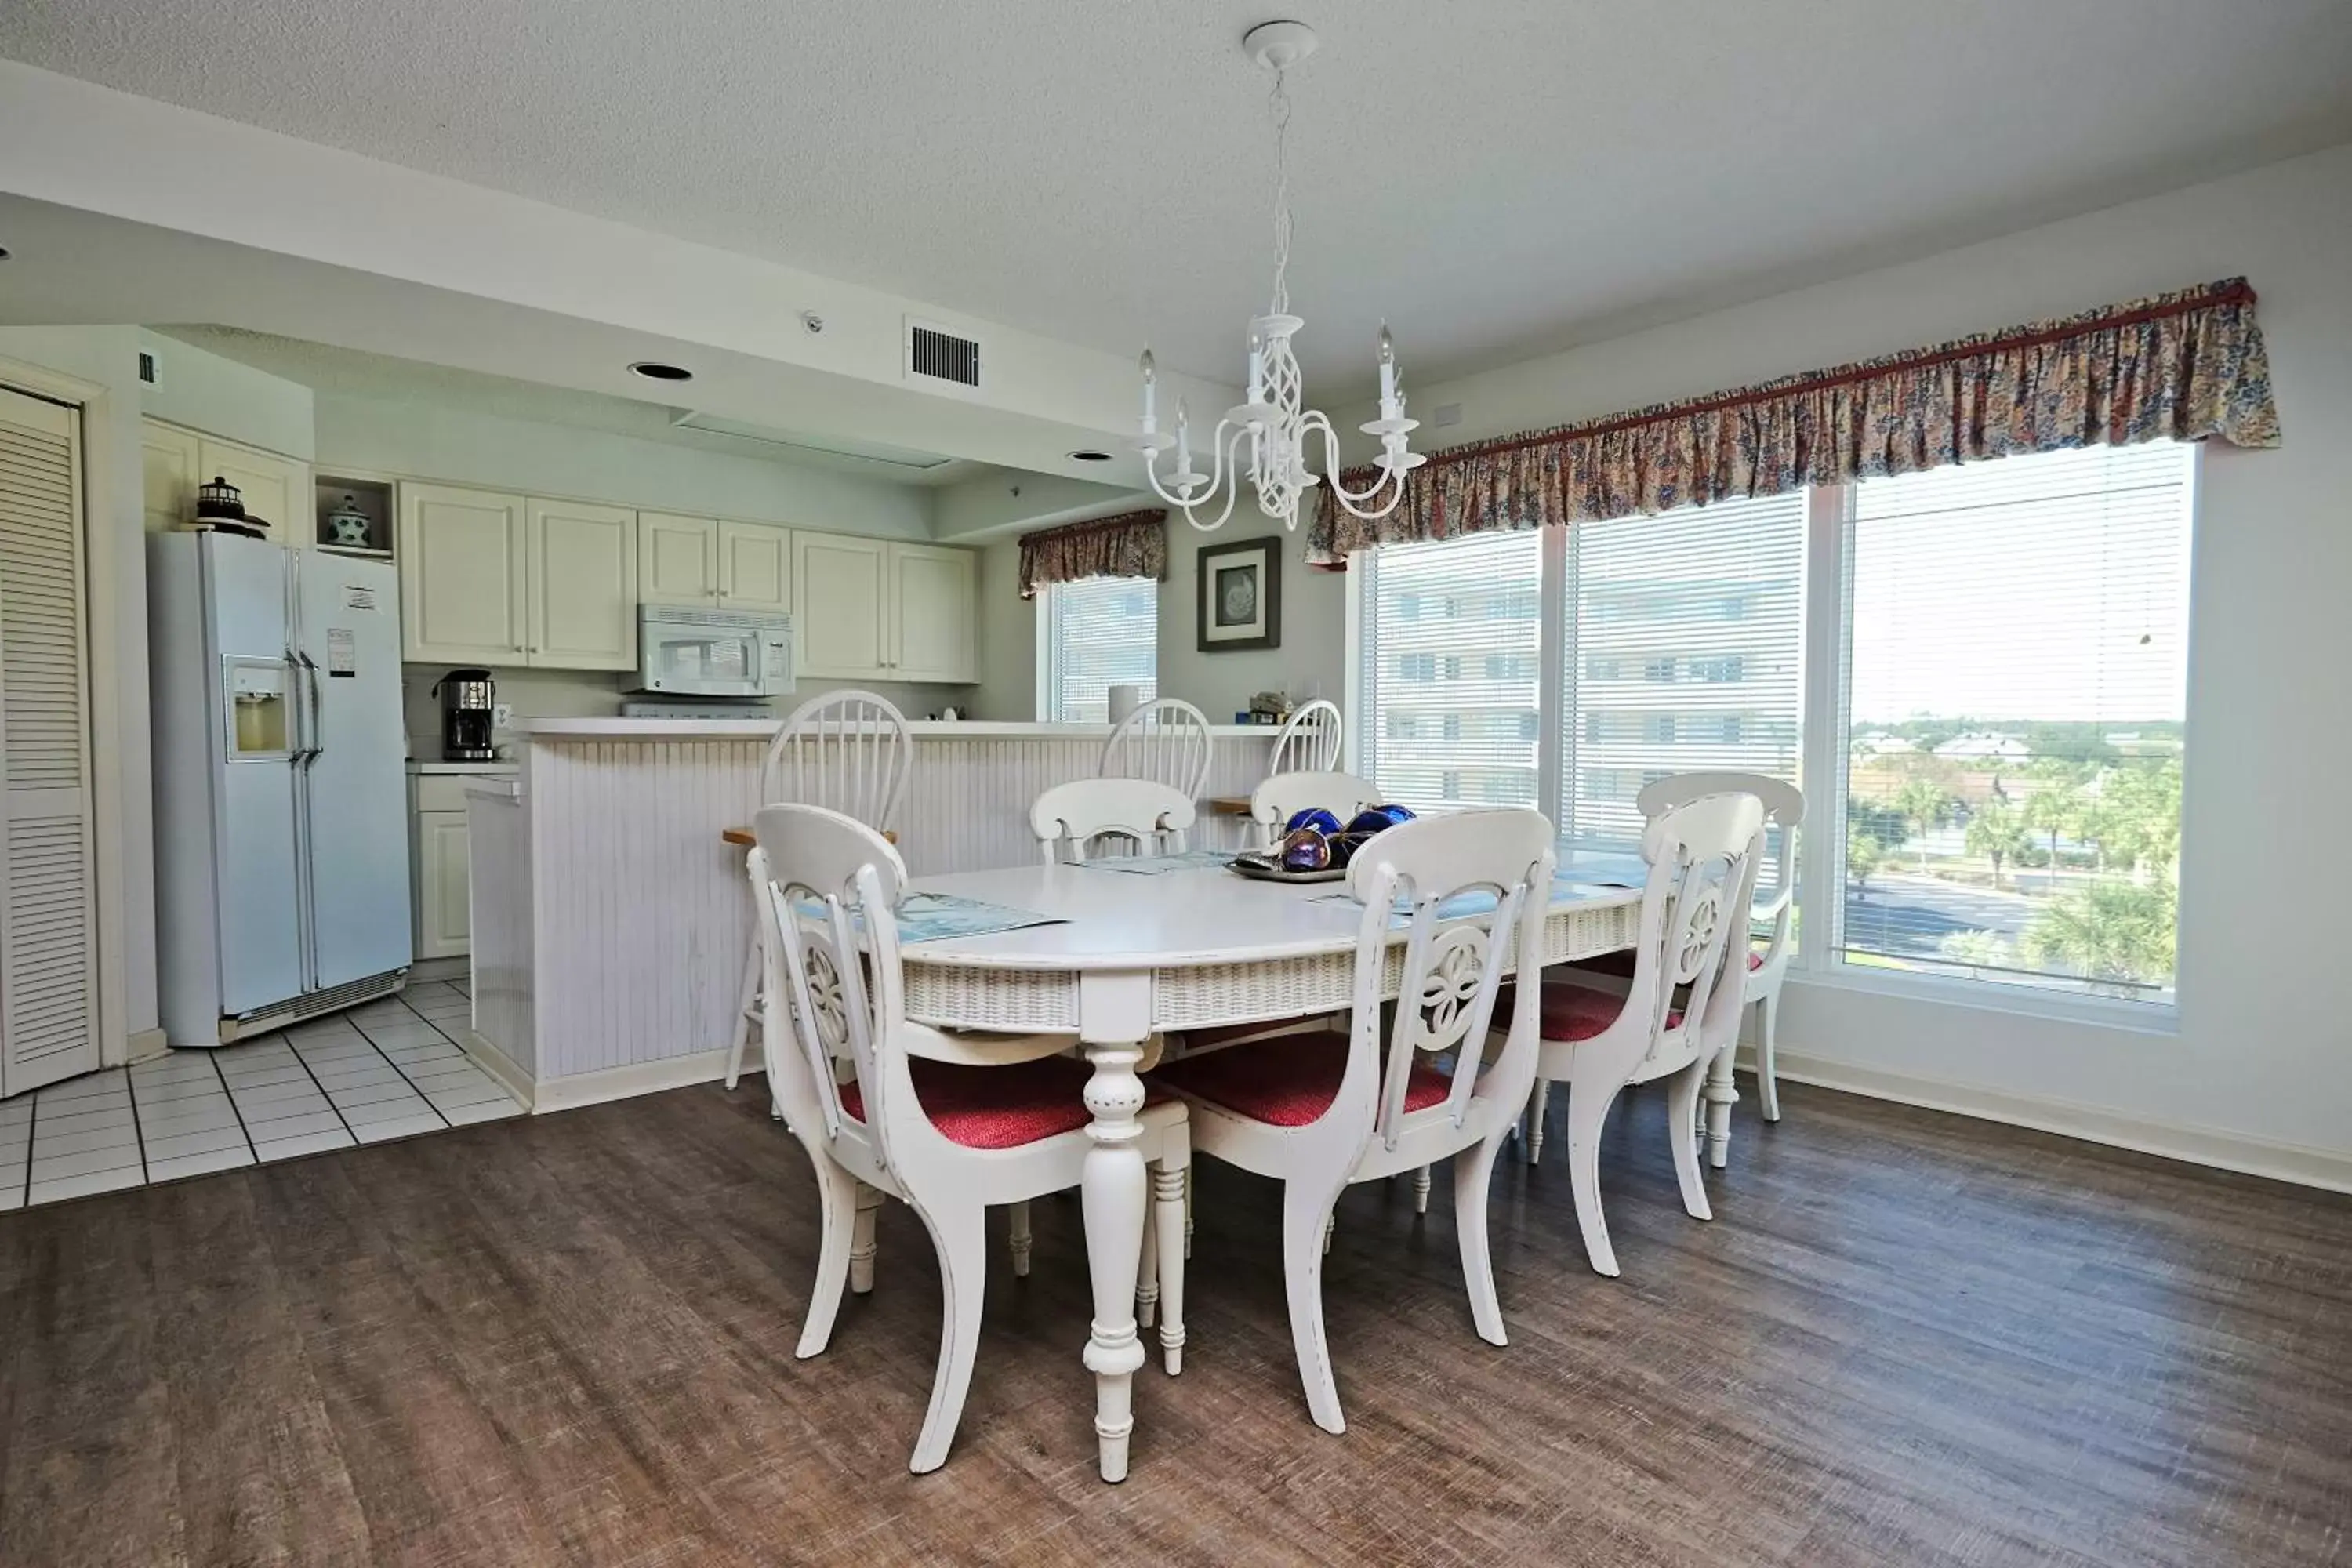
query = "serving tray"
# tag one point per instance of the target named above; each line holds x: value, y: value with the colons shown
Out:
x: 1258, y: 870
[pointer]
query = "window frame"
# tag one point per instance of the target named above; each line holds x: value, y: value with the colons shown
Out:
x: 1822, y: 630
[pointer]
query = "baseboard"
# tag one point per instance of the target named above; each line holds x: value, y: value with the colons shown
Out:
x: 145, y: 1045
x: 637, y: 1078
x: 500, y: 1065
x: 2296, y: 1163
x: 424, y: 969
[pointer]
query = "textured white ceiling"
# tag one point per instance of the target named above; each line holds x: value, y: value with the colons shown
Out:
x: 1496, y: 177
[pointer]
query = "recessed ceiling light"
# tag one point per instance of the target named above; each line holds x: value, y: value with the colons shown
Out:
x: 654, y: 370
x: 1088, y: 454
x: 3, y: 253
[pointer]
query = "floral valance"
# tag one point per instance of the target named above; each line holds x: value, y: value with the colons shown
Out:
x: 1132, y: 544
x: 2183, y: 367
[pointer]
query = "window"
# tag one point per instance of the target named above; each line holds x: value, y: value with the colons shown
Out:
x: 1098, y: 632
x: 1444, y: 737
x: 2013, y: 677
x: 1995, y: 762
x: 1649, y: 592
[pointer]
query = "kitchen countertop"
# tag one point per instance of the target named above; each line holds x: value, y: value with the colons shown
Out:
x: 762, y: 729
x: 420, y: 765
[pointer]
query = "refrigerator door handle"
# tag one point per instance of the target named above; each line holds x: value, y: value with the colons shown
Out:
x: 298, y: 733
x: 315, y: 725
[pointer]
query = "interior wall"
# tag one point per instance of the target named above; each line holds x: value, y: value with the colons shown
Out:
x: 1311, y: 662
x: 418, y: 441
x: 206, y: 391
x: 108, y: 357
x: 2255, y: 1074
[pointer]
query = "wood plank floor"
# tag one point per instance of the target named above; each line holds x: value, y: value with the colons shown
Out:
x: 1907, y: 1339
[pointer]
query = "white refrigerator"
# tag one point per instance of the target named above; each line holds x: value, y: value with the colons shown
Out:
x: 281, y: 824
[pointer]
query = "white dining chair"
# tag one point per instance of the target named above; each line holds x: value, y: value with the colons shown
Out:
x: 949, y: 1124
x: 1285, y: 794
x: 1167, y: 741
x: 1070, y: 817
x: 1767, y: 966
x: 1681, y: 1007
x: 1325, y: 1110
x: 849, y: 751
x: 1312, y: 742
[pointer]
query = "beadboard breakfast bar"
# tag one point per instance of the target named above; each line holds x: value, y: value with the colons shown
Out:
x: 610, y: 919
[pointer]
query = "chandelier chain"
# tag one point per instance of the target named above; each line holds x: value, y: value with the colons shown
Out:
x: 1279, y: 106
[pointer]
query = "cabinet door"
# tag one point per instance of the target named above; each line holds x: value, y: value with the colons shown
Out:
x: 462, y: 576
x: 839, y: 605
x: 755, y: 567
x: 932, y: 613
x: 443, y: 929
x: 584, y: 585
x: 276, y: 491
x: 677, y: 559
x: 167, y: 459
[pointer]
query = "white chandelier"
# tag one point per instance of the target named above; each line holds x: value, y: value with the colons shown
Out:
x: 1272, y: 422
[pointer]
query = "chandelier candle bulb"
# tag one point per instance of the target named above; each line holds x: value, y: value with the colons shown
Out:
x: 1388, y: 374
x: 1183, y: 443
x: 1256, y: 367
x: 1151, y: 393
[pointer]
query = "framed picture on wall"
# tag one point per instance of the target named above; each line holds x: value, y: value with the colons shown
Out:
x: 1241, y: 595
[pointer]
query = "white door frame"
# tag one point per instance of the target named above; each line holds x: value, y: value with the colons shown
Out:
x: 102, y: 547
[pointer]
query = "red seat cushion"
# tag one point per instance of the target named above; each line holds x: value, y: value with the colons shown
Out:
x: 1289, y: 1083
x: 1575, y: 1012
x: 999, y: 1107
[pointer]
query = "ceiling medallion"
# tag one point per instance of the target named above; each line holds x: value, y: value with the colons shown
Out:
x: 1273, y: 422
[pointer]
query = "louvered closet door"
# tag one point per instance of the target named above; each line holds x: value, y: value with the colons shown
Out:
x: 48, y: 934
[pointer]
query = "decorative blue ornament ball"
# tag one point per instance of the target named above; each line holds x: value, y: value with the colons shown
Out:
x: 1306, y: 849
x: 1314, y: 816
x: 1395, y: 814
x: 1345, y: 845
x: 1370, y: 820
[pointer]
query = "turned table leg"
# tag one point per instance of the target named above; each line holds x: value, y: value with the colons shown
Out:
x: 1113, y: 1194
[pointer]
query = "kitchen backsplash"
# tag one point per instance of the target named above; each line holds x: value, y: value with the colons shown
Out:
x: 598, y: 694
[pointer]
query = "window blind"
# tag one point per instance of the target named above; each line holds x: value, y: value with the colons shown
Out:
x: 2013, y: 695
x: 1682, y: 651
x: 1448, y: 670
x: 1101, y: 632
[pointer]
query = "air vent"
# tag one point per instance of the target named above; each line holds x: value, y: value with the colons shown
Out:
x: 941, y: 355
x: 149, y: 372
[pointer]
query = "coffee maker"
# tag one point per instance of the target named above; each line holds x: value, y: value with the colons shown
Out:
x: 468, y: 697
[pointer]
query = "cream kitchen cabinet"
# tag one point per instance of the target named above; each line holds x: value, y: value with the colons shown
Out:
x: 723, y: 565
x: 677, y: 559
x: 580, y: 577
x: 508, y: 581
x: 869, y: 608
x: 840, y: 598
x: 755, y: 567
x: 173, y: 462
x: 464, y: 570
x: 934, y: 597
x: 439, y: 850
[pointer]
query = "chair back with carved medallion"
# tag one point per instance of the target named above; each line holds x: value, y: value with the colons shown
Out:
x: 826, y: 886
x: 1702, y: 858
x: 1470, y: 891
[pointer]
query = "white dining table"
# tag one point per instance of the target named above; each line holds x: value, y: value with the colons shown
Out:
x: 1131, y: 956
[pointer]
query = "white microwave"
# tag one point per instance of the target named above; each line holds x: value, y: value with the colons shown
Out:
x: 687, y: 652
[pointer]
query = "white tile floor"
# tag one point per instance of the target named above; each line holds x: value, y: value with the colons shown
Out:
x: 378, y: 1072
